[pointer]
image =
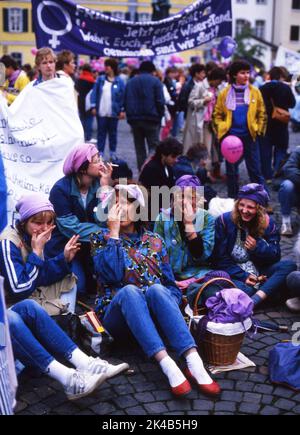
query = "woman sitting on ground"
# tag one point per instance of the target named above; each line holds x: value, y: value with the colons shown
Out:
x: 27, y: 272
x: 139, y: 292
x: 247, y: 246
x: 74, y: 198
x: 188, y: 230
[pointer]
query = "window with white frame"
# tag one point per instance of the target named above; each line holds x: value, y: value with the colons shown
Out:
x: 260, y: 28
x: 241, y: 25
x: 261, y: 2
x: 144, y: 16
x: 15, y: 20
x: 118, y: 15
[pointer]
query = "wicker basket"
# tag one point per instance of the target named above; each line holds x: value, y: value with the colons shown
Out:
x: 215, y: 349
x: 220, y: 350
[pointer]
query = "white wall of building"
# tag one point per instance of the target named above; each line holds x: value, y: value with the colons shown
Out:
x: 254, y: 11
x: 285, y: 18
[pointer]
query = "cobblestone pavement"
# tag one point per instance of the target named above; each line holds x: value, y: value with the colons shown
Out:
x: 147, y: 392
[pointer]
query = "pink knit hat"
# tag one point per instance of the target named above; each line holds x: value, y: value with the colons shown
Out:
x: 79, y: 155
x: 31, y: 204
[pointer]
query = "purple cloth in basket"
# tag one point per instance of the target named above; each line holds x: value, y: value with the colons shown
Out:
x: 229, y: 306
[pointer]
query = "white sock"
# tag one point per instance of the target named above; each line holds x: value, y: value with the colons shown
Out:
x: 287, y: 220
x: 59, y: 372
x: 197, y: 369
x: 79, y: 359
x: 172, y: 371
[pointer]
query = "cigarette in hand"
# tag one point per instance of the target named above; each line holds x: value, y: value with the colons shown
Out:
x: 114, y: 166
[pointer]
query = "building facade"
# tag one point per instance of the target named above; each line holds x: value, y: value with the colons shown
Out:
x: 287, y: 24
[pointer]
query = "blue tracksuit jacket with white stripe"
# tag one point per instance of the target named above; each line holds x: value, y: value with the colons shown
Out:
x: 23, y: 278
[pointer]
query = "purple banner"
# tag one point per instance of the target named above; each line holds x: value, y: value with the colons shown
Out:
x: 62, y: 24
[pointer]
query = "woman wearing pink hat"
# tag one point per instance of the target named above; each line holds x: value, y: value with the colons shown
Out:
x: 74, y: 198
x: 27, y: 272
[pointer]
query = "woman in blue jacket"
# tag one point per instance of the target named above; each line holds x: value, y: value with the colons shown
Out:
x: 75, y: 201
x: 247, y: 246
x: 139, y: 295
x: 107, y: 101
x: 27, y: 271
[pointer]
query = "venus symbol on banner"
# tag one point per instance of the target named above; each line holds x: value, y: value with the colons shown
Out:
x: 54, y: 42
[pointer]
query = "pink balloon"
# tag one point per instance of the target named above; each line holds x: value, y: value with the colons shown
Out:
x: 34, y: 51
x: 232, y: 149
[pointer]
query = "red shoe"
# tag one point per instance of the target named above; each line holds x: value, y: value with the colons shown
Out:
x: 182, y: 389
x: 213, y: 389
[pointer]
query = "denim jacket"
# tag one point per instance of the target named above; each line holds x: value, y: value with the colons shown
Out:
x: 266, y: 253
x: 117, y: 95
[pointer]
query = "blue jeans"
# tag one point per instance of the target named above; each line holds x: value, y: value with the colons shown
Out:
x: 288, y: 197
x: 87, y: 124
x: 277, y: 141
x: 134, y: 312
x: 276, y: 283
x: 252, y: 160
x: 107, y: 126
x: 35, y: 337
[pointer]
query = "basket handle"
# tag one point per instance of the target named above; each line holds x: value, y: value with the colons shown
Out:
x: 201, y: 290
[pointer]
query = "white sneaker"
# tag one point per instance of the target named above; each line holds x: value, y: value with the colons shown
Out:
x: 293, y: 305
x: 98, y: 365
x: 81, y: 384
x: 286, y: 230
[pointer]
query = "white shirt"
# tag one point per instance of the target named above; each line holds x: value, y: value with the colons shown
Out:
x: 105, y: 108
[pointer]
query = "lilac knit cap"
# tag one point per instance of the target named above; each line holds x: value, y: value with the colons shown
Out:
x: 77, y: 156
x: 29, y: 205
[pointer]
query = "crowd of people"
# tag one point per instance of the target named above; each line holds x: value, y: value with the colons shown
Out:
x: 132, y: 246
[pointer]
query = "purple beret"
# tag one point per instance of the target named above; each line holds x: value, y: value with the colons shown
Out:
x: 77, y: 156
x: 188, y: 181
x: 32, y: 204
x: 254, y: 192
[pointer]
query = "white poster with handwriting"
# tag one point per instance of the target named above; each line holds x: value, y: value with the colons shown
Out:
x: 36, y: 133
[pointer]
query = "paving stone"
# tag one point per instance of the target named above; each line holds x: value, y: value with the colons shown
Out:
x: 249, y: 408
x: 137, y: 379
x: 256, y: 377
x: 66, y: 409
x: 30, y: 398
x: 136, y: 410
x: 270, y: 410
x: 269, y: 340
x: 144, y: 397
x: 124, y: 402
x: 103, y: 408
x: 162, y: 395
x: 43, y: 392
x: 156, y: 408
x: 225, y: 406
x: 203, y: 405
x: 39, y: 409
x: 144, y: 386
x: 226, y: 384
x: 182, y: 405
x: 258, y: 345
x: 124, y: 389
x: 264, y: 389
x: 297, y: 398
x: 20, y: 407
x: 297, y: 409
x: 285, y: 404
x: 238, y: 376
x: 233, y: 396
x: 267, y: 399
x: 283, y: 392
x: 118, y: 413
x: 244, y: 386
x: 55, y: 400
x: 252, y: 398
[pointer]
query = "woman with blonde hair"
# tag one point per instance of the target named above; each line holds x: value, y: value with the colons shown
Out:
x: 247, y: 246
